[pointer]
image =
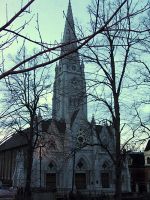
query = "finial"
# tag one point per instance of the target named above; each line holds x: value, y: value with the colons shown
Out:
x: 39, y: 115
x: 69, y: 31
x: 82, y: 63
x: 69, y: 4
x: 93, y: 120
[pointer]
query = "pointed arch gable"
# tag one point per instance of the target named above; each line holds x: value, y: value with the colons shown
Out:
x: 106, y: 164
x: 53, y: 130
x: 82, y: 163
x: 51, y: 165
x: 106, y: 173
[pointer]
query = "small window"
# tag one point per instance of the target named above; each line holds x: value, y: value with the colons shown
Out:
x: 130, y: 161
x: 148, y: 160
x: 73, y: 67
x: 51, y: 144
x: 51, y: 165
x: 68, y: 67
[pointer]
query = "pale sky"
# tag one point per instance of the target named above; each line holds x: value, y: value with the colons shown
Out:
x: 51, y: 21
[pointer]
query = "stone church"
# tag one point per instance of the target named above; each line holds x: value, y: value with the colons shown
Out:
x: 72, y: 157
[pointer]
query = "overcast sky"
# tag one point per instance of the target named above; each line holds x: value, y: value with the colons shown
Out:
x: 51, y: 22
x: 50, y: 13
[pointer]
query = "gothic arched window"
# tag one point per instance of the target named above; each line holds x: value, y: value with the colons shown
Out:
x: 51, y: 176
x: 105, y: 175
x: 73, y: 67
x: 51, y: 144
x: 80, y: 175
x: 51, y: 167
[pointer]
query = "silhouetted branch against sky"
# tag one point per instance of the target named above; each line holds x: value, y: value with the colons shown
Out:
x: 12, y: 20
x: 109, y: 25
x: 82, y: 42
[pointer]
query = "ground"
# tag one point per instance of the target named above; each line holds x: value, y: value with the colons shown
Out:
x: 7, y: 193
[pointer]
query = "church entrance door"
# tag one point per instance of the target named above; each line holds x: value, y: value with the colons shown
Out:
x: 51, y: 180
x: 80, y: 180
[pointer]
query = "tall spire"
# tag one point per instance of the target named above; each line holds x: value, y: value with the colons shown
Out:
x: 69, y: 31
x: 69, y: 95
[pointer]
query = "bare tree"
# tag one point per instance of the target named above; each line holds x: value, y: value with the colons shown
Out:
x: 142, y: 106
x: 142, y: 85
x: 112, y: 32
x: 27, y: 93
x: 45, y: 48
x: 113, y: 52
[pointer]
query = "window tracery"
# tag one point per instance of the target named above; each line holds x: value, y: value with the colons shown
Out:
x: 51, y: 144
x: 105, y: 175
x: 74, y: 101
x: 81, y: 165
x: 52, y: 166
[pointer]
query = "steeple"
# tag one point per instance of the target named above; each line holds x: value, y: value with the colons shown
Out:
x: 69, y: 31
x: 69, y: 38
x: 69, y: 95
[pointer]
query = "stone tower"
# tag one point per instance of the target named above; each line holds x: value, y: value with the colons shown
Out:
x: 69, y: 94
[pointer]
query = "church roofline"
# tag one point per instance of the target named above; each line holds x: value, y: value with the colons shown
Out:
x: 19, y: 139
x: 147, y: 146
x: 137, y: 159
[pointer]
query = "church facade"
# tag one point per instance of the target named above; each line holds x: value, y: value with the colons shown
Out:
x: 72, y: 157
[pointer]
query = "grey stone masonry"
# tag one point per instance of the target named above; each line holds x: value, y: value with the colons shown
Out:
x: 69, y: 98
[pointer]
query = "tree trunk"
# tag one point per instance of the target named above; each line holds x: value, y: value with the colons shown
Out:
x: 118, y: 184
x: 29, y: 173
x: 29, y: 162
x: 118, y: 166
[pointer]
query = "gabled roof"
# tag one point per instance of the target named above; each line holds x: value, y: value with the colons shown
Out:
x: 147, y: 146
x: 19, y: 139
x: 98, y: 129
x: 61, y: 125
x: 45, y: 124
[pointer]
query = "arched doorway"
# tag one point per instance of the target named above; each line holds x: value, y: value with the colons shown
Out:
x: 51, y: 176
x: 106, y: 175
x: 81, y: 175
x: 80, y: 180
